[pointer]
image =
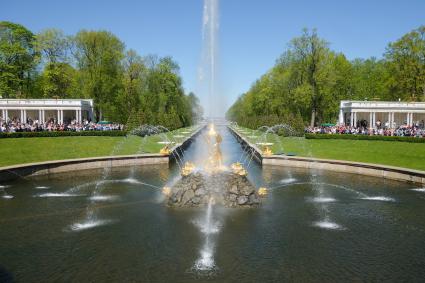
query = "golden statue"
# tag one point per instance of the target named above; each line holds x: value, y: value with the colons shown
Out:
x: 238, y: 169
x: 165, y: 150
x: 214, y: 140
x: 187, y: 168
x: 262, y: 192
x: 267, y: 151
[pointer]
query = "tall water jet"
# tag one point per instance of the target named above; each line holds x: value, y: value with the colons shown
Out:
x: 208, y: 68
x: 206, y: 260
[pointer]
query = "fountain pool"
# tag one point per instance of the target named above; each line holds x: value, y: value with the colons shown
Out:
x: 314, y: 226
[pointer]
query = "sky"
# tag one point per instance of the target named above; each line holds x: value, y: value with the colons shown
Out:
x: 252, y: 33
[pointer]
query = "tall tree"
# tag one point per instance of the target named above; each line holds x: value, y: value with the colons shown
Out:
x: 53, y: 45
x: 59, y: 80
x: 195, y: 106
x: 98, y: 55
x: 311, y: 52
x: 134, y: 83
x: 406, y: 61
x: 58, y: 77
x: 18, y: 59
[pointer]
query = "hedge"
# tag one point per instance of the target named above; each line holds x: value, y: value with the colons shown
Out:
x: 364, y: 137
x: 62, y: 134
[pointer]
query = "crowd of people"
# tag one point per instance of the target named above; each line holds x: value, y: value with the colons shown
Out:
x: 15, y: 125
x: 416, y: 130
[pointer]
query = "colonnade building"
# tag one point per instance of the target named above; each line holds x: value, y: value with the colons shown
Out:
x: 59, y: 110
x: 387, y: 114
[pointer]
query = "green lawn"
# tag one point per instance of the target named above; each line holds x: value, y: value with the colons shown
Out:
x: 28, y: 150
x: 393, y: 153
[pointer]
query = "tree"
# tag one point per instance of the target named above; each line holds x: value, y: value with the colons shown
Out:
x: 18, y: 59
x: 195, y: 106
x: 59, y: 77
x: 406, y: 62
x: 134, y: 80
x: 59, y: 80
x: 98, y: 55
x: 53, y: 45
x: 311, y: 51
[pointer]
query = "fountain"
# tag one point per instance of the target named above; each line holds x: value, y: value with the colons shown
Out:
x: 5, y: 194
x: 309, y: 219
x: 226, y: 186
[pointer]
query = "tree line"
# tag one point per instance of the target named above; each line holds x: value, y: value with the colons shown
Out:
x: 309, y: 79
x: 125, y: 87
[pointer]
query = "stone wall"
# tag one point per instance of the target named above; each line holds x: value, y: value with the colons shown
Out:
x: 61, y: 166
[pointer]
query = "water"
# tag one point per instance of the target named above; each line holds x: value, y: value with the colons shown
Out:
x: 207, y: 77
x: 207, y: 226
x: 4, y: 194
x: 309, y: 229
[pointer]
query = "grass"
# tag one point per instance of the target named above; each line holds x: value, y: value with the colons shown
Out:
x: 28, y: 150
x: 393, y: 153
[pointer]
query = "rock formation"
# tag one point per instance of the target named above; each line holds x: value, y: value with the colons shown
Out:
x: 225, y: 188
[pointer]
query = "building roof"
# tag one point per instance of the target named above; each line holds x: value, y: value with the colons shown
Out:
x: 7, y: 103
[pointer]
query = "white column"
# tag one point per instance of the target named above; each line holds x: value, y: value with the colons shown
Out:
x: 392, y: 120
x: 57, y: 116
x: 341, y: 117
x: 370, y: 120
x: 351, y: 119
x: 61, y: 112
x: 80, y: 118
x: 6, y: 114
x: 25, y: 115
x: 374, y: 120
x: 355, y: 119
x: 39, y: 116
x: 2, y: 114
x: 22, y: 116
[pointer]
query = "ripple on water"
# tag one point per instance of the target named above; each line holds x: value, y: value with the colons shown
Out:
x: 42, y: 188
x: 421, y: 190
x: 379, y: 198
x: 104, y: 198
x: 57, y: 195
x: 322, y: 199
x: 328, y: 225
x: 89, y: 224
x: 7, y: 196
x: 287, y: 180
x: 206, y: 261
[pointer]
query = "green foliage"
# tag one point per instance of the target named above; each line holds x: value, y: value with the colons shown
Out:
x: 54, y: 45
x: 364, y: 137
x: 18, y: 59
x: 126, y: 88
x: 59, y: 80
x: 98, y: 55
x: 406, y: 62
x: 309, y: 80
x: 196, y: 109
x: 62, y: 134
x: 162, y: 100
